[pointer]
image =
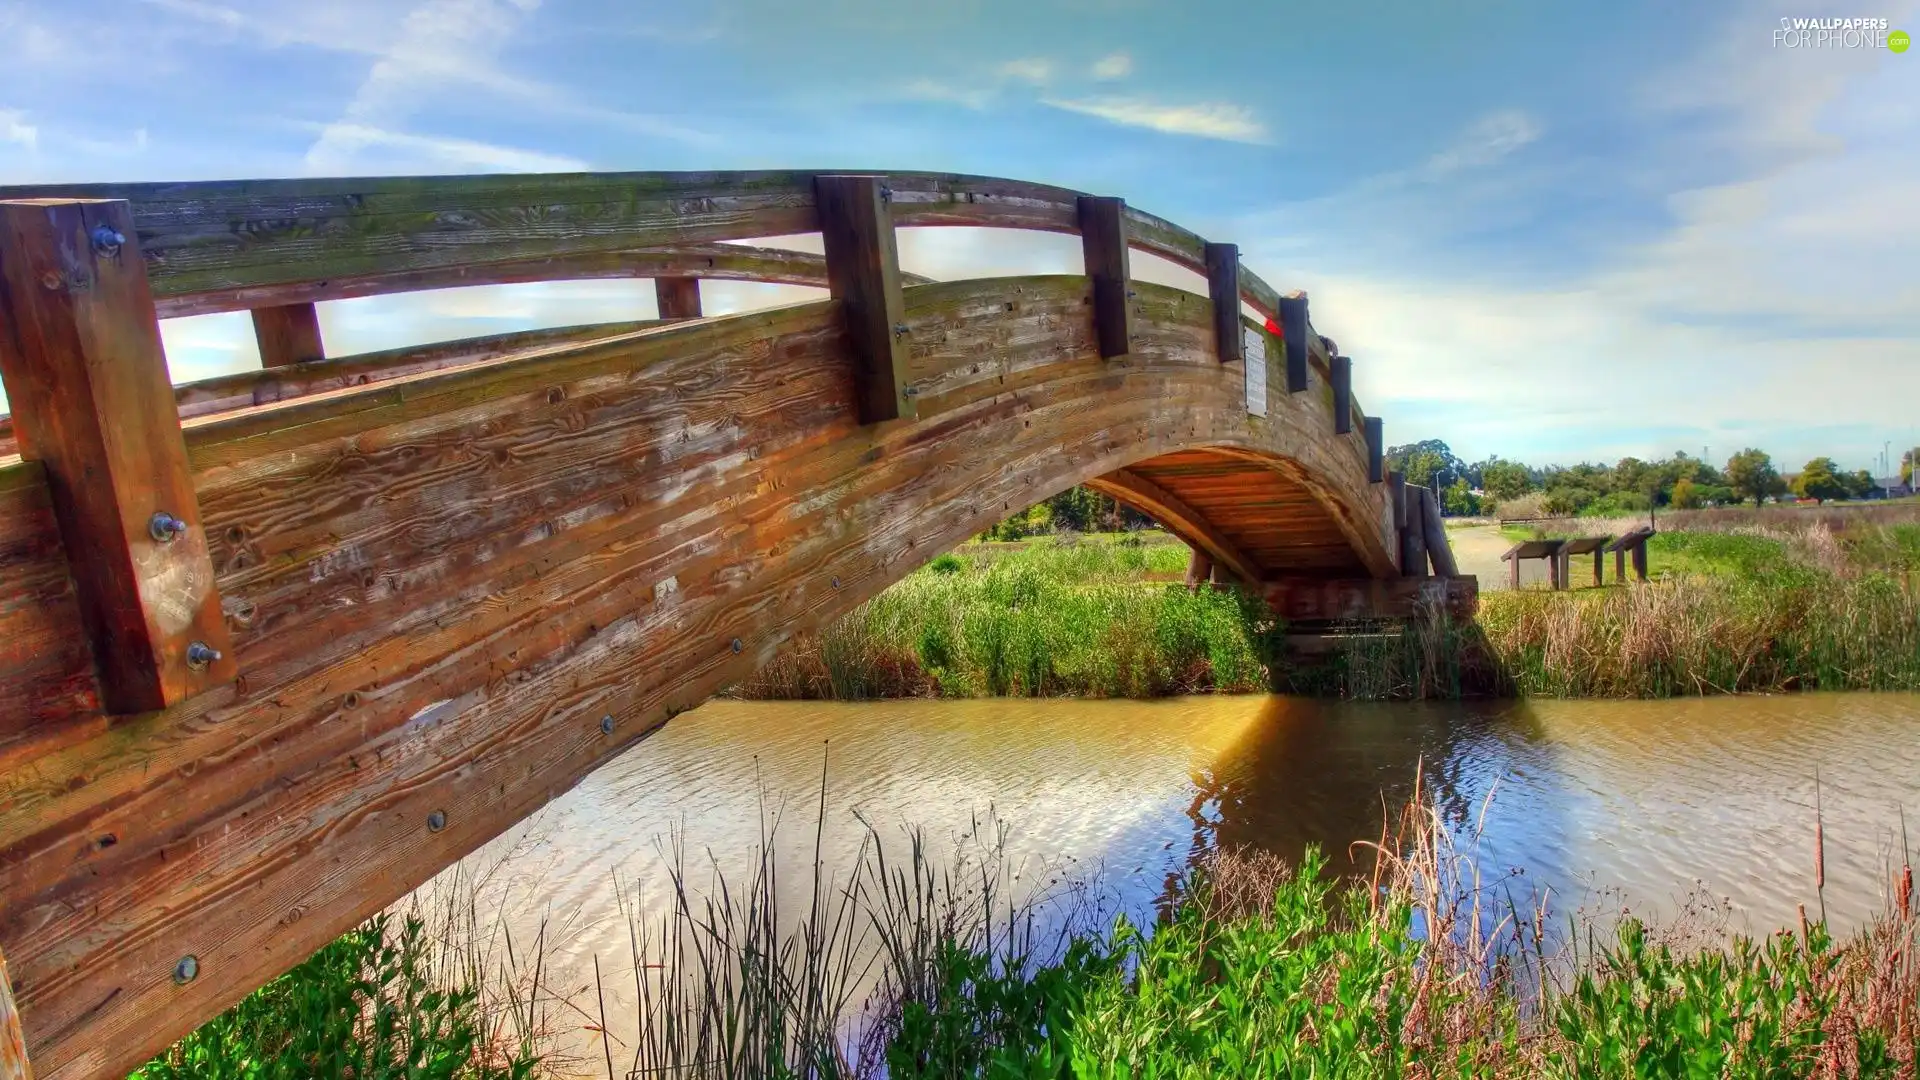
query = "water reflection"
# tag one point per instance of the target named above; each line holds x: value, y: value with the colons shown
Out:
x: 1654, y: 799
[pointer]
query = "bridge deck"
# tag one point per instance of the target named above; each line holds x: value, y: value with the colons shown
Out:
x: 452, y: 580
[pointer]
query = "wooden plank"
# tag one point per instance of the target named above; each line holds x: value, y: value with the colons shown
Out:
x: 1439, y: 552
x: 1103, y: 240
x: 80, y: 352
x: 13, y: 1045
x: 1314, y: 599
x: 1376, y: 448
x: 502, y: 536
x: 1293, y: 324
x: 863, y: 271
x: 678, y: 297
x: 1149, y: 498
x: 1413, y: 541
x: 288, y: 334
x: 1342, y: 379
x: 1223, y: 286
x: 716, y: 261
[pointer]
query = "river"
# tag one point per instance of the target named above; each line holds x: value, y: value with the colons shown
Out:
x: 1607, y: 804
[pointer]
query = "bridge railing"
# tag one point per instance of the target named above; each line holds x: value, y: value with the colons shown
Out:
x: 275, y: 248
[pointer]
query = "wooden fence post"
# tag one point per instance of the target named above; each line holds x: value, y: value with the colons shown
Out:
x: 289, y: 334
x: 1342, y: 372
x: 863, y: 273
x: 81, y: 357
x: 1293, y: 323
x: 678, y: 297
x: 1103, y: 239
x: 1223, y: 284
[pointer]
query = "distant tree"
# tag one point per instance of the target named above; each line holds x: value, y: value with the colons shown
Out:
x: 1566, y: 499
x: 1685, y: 495
x: 1906, y: 468
x: 1636, y: 476
x: 1819, y: 481
x: 1078, y: 508
x: 1505, y: 479
x: 1751, y: 475
x: 1423, y: 462
x: 1459, y: 499
x: 1859, y: 484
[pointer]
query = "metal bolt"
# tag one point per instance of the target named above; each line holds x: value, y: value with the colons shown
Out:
x: 606, y: 724
x: 165, y: 528
x: 200, y: 654
x: 187, y: 970
x: 107, y: 241
x: 900, y: 329
x: 737, y: 646
x: 886, y: 194
x: 436, y: 821
x: 836, y: 583
x: 911, y: 391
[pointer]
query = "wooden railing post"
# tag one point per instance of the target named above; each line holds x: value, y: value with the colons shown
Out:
x: 1103, y: 238
x: 1223, y: 284
x: 289, y: 334
x: 678, y: 297
x: 81, y: 358
x: 1293, y: 323
x: 863, y: 273
x: 1342, y: 372
x: 1397, y: 506
x: 1376, y: 450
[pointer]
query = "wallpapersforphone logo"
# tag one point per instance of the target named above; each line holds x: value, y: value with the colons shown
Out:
x: 1839, y: 34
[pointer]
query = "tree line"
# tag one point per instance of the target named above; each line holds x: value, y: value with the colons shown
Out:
x: 1628, y: 486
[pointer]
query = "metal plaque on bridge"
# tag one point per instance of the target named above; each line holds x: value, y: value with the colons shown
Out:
x: 1256, y: 353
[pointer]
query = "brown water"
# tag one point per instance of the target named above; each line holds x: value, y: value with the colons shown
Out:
x: 1604, y: 802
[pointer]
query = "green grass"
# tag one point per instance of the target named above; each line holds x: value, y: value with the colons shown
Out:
x: 368, y: 1006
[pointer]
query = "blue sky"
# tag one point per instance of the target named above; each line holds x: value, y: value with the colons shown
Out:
x: 1552, y: 232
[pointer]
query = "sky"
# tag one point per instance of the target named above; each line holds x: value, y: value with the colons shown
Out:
x: 1551, y: 232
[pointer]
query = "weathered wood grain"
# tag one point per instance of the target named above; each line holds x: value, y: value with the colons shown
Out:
x: 1149, y: 498
x: 1439, y: 552
x: 677, y: 297
x: 80, y: 352
x: 719, y: 261
x: 13, y: 1045
x: 541, y: 540
x: 863, y: 274
x: 1299, y: 337
x: 288, y: 334
x: 1103, y: 236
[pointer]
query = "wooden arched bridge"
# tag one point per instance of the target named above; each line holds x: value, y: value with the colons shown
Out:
x: 276, y: 647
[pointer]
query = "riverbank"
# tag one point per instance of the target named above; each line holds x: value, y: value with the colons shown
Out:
x: 909, y: 963
x: 1747, y: 609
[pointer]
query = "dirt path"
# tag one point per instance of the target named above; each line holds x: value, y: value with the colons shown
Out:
x: 1477, y: 550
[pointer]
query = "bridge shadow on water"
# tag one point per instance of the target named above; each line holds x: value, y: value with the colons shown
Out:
x: 1330, y: 774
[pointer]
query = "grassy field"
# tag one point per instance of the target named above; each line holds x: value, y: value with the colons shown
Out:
x: 904, y: 967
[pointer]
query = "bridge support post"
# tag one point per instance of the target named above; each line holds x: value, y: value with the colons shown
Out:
x: 81, y: 358
x: 1223, y: 285
x: 863, y: 273
x: 678, y: 297
x: 1376, y: 450
x: 288, y: 334
x: 1103, y: 238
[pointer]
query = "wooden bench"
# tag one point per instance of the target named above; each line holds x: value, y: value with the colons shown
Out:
x: 1634, y: 543
x: 1534, y: 549
x: 1585, y: 545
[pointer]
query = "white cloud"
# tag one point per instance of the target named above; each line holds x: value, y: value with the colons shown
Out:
x: 1113, y: 66
x: 1035, y: 69
x: 15, y: 129
x: 345, y: 142
x: 1208, y: 120
x: 1486, y: 141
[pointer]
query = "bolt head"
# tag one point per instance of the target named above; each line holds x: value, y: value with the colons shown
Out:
x: 165, y: 528
x: 738, y: 645
x: 186, y: 970
x: 606, y: 724
x: 436, y: 821
x: 108, y: 241
x: 200, y: 654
